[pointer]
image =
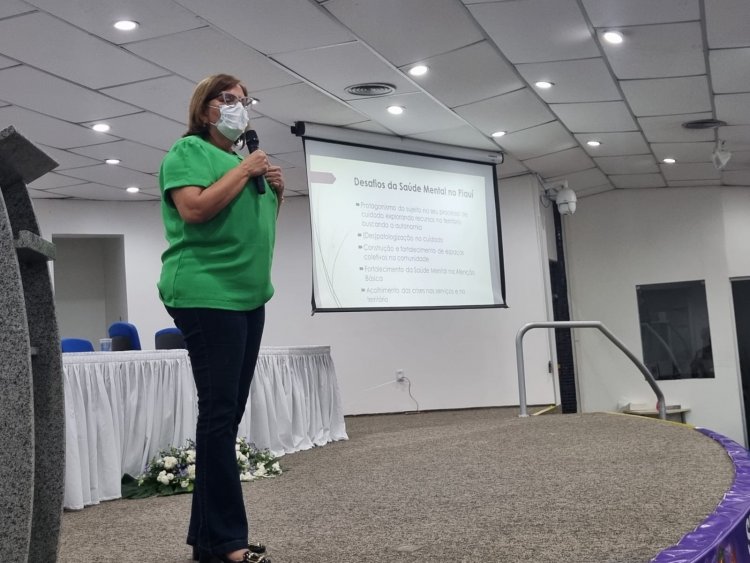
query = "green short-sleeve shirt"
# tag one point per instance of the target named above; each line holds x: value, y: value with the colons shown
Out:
x: 223, y: 263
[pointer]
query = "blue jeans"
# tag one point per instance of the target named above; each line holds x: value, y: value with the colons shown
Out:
x: 223, y: 347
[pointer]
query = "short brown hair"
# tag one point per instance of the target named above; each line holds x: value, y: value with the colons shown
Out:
x: 206, y: 90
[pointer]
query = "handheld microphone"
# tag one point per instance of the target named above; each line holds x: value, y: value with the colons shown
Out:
x: 252, y: 142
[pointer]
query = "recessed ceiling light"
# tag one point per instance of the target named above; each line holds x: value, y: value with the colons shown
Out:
x: 418, y: 70
x: 112, y: 161
x: 614, y: 37
x: 593, y: 143
x: 101, y: 127
x: 497, y: 134
x: 133, y: 189
x: 396, y: 110
x: 254, y: 101
x: 544, y: 85
x: 125, y: 25
x: 669, y: 161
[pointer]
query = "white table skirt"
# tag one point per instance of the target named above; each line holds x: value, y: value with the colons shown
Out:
x: 121, y: 408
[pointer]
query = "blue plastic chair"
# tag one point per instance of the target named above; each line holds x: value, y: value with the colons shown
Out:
x: 124, y: 336
x: 76, y: 345
x: 169, y: 339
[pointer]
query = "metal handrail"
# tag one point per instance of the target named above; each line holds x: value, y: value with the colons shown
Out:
x: 660, y: 404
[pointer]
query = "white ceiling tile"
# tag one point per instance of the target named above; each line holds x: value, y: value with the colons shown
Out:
x: 595, y: 117
x: 667, y: 96
x: 336, y: 67
x: 637, y: 180
x: 729, y: 70
x: 14, y: 7
x: 587, y: 192
x: 408, y: 32
x: 67, y: 159
x: 478, y: 69
x: 560, y: 163
x: 207, y: 46
x: 115, y: 176
x: 100, y: 192
x: 684, y: 152
x: 737, y: 137
x: 616, y: 13
x: 586, y: 80
x: 71, y: 53
x: 52, y: 180
x: 559, y: 32
x: 633, y: 164
x: 692, y: 183
x: 726, y: 23
x: 613, y: 144
x: 658, y: 51
x: 510, y: 166
x: 669, y: 129
x: 736, y: 178
x: 292, y: 159
x: 295, y: 179
x: 422, y: 114
x: 275, y: 137
x: 689, y: 171
x: 464, y: 136
x: 39, y: 194
x: 272, y: 27
x: 97, y: 17
x: 146, y: 128
x: 300, y: 102
x: 132, y: 155
x: 740, y: 161
x: 5, y: 62
x: 168, y: 96
x: 733, y: 108
x: 50, y: 131
x: 585, y: 179
x: 508, y: 112
x: 36, y: 90
x: 537, y: 141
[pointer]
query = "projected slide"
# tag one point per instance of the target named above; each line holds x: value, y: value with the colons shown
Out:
x: 394, y: 230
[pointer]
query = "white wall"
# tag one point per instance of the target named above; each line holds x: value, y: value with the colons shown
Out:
x: 621, y: 239
x: 454, y: 358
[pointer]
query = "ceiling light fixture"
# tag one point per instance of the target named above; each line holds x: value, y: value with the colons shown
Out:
x: 669, y: 161
x: 593, y: 143
x: 396, y: 110
x: 132, y: 189
x: 100, y: 127
x: 720, y: 156
x: 497, y: 134
x: 614, y: 37
x: 544, y: 85
x: 418, y: 70
x: 112, y: 161
x: 125, y: 25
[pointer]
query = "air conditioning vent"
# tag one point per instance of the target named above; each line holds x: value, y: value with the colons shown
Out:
x: 704, y: 124
x: 371, y: 89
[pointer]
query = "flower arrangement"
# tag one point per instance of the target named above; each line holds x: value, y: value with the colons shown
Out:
x: 172, y: 471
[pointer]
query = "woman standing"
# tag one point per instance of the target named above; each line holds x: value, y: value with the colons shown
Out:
x: 215, y: 280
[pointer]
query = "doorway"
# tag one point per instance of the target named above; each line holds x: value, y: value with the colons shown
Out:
x: 741, y: 298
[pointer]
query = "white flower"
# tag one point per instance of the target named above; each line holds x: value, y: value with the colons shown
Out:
x: 276, y: 467
x: 191, y: 471
x: 261, y: 471
x: 169, y: 462
x: 237, y: 447
x: 184, y: 483
x: 190, y: 456
x: 164, y: 478
x: 246, y: 476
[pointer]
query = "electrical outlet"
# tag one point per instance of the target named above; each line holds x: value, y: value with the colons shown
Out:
x: 400, y: 375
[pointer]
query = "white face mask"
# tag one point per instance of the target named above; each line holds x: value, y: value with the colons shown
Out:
x: 233, y: 120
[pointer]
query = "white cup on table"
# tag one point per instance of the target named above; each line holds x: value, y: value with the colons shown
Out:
x: 105, y: 344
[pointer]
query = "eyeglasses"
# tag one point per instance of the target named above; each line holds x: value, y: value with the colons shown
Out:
x: 230, y: 99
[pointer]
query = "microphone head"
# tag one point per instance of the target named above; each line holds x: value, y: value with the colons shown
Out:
x: 251, y: 139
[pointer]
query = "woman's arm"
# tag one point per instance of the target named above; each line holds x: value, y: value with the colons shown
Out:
x: 198, y: 205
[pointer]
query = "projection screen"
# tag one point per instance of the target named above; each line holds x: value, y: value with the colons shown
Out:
x: 396, y: 229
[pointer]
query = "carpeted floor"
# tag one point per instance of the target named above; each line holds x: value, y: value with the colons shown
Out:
x: 460, y: 486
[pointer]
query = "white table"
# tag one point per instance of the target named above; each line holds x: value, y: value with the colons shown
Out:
x: 121, y: 408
